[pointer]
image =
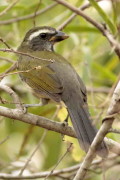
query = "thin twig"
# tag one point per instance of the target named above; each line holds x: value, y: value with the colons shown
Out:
x: 79, y: 12
x: 25, y: 54
x: 43, y: 174
x: 3, y: 101
x: 18, y: 72
x: 34, y: 151
x: 7, y: 72
x: 26, y: 17
x: 67, y: 151
x: 103, y: 105
x: 25, y: 140
x: 6, y: 59
x: 14, y: 96
x: 82, y: 8
x: 4, y: 140
x: 4, y: 42
x: 36, y: 10
x: 9, y: 7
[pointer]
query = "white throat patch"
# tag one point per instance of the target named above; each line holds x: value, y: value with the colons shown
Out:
x: 35, y: 34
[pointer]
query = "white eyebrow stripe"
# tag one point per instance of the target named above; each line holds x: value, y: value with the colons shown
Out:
x: 35, y: 34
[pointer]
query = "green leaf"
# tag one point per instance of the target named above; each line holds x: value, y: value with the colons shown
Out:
x: 105, y: 72
x: 103, y: 15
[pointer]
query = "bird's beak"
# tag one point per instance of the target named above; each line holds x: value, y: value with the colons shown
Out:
x: 59, y: 36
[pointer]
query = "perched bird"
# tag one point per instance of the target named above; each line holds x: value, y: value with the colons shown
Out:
x: 52, y: 77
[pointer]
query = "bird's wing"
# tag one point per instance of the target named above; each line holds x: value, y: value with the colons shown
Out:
x: 41, y: 78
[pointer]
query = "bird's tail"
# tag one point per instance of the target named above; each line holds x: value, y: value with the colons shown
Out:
x: 84, y: 129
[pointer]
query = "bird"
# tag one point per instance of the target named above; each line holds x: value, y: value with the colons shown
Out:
x: 52, y: 77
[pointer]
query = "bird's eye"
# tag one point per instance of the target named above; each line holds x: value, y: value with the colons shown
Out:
x: 43, y: 35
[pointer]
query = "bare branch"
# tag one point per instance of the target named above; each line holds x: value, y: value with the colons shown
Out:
x: 37, y: 121
x: 4, y: 140
x: 34, y: 151
x: 6, y: 44
x: 113, y: 146
x: 79, y: 12
x: 25, y: 54
x: 117, y: 131
x: 49, y: 124
x: 35, y: 13
x: 25, y: 140
x: 10, y: 21
x: 115, y: 101
x: 7, y: 72
x: 82, y: 8
x: 9, y: 7
x: 13, y: 95
x: 67, y: 170
x: 6, y: 59
x: 18, y: 72
x: 67, y: 151
x: 41, y: 174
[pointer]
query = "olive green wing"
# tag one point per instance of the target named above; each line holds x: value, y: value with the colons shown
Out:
x: 43, y: 79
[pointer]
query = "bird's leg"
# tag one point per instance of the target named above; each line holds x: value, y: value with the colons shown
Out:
x: 43, y: 102
x: 65, y: 122
x: 32, y: 105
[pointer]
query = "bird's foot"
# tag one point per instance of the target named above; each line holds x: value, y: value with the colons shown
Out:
x: 26, y: 106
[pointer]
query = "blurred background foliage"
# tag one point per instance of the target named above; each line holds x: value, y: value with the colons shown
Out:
x: 92, y: 57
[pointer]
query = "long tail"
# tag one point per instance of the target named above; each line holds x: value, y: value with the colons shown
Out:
x: 84, y: 129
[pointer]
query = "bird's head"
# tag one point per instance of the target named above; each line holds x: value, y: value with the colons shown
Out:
x: 43, y: 38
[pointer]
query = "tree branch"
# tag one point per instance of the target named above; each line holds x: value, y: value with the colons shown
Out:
x: 113, y: 42
x: 37, y: 121
x: 117, y: 131
x: 49, y: 124
x: 13, y: 95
